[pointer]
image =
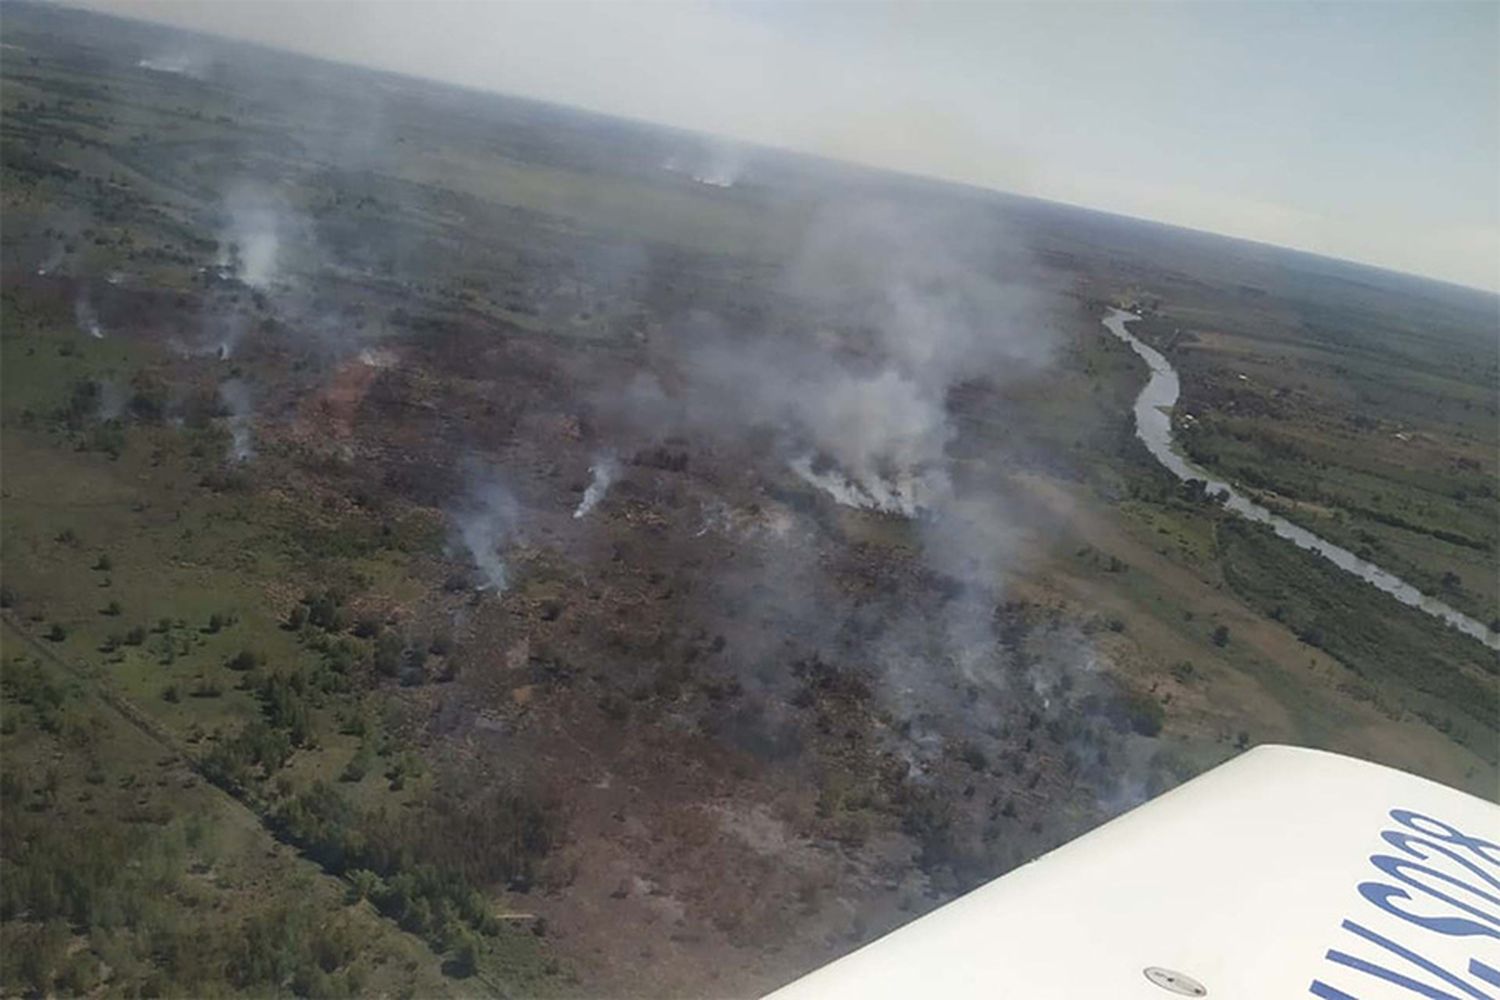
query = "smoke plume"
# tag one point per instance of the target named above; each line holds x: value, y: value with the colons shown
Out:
x: 604, y: 470
x: 235, y: 394
x: 54, y: 259
x: 251, y: 242
x: 888, y: 309
x: 487, y: 520
x: 717, y: 163
x: 183, y: 63
x: 845, y: 381
x: 87, y: 318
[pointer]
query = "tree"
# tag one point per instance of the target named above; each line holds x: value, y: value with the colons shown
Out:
x: 388, y: 653
x: 364, y: 884
x: 149, y: 400
x: 104, y: 564
x: 465, y: 955
x: 57, y: 633
x: 1221, y: 636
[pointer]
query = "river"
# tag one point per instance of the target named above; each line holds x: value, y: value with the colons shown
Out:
x: 1153, y: 425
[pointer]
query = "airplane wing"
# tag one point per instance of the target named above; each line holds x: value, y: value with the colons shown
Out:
x: 1283, y: 873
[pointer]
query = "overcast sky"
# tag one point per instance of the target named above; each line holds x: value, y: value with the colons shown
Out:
x: 1366, y: 131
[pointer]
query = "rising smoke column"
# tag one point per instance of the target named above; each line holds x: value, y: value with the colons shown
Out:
x: 887, y: 309
x: 178, y: 63
x: 235, y: 394
x: 257, y: 231
x: 250, y: 244
x: 54, y: 258
x: 487, y: 519
x: 922, y: 302
x: 86, y: 317
x: 604, y: 470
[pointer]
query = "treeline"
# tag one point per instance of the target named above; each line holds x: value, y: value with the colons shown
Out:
x: 425, y: 873
x: 1368, y: 631
x: 1441, y: 534
x: 1270, y: 468
x: 94, y: 893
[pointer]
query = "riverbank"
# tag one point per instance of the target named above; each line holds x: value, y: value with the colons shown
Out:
x: 1153, y: 423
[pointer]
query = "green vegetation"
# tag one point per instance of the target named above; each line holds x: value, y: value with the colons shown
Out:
x: 124, y: 873
x: 261, y: 734
x: 1372, y: 426
x: 1390, y: 647
x: 244, y: 695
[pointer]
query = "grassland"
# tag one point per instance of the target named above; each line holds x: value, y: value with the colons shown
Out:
x: 158, y: 597
x: 669, y: 758
x: 1375, y: 430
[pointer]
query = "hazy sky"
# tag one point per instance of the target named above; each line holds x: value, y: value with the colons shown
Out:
x: 1367, y: 131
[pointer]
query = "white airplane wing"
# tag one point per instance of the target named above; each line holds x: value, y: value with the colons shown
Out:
x: 1283, y: 873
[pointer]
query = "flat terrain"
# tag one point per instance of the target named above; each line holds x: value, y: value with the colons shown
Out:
x: 448, y: 549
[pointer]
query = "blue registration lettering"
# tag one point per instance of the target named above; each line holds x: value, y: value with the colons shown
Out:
x: 1485, y: 849
x: 1400, y: 979
x: 1381, y: 895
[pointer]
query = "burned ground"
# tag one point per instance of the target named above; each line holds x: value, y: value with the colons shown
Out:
x: 715, y: 729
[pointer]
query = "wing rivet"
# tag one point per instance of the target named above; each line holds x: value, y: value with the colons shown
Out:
x: 1175, y: 982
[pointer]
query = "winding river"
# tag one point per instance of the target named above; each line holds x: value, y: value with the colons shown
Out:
x: 1153, y: 425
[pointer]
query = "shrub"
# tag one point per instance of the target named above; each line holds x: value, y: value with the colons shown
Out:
x: 389, y: 650
x: 1143, y: 713
x: 359, y: 765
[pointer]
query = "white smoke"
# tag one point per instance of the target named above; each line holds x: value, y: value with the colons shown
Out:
x: 487, y: 520
x: 900, y: 492
x: 922, y: 299
x: 223, y: 331
x: 188, y: 64
x: 250, y: 244
x: 884, y: 438
x: 87, y: 318
x: 891, y: 309
x: 604, y: 470
x: 235, y: 394
x: 885, y: 311
x: 54, y: 259
x: 112, y: 400
x: 719, y: 163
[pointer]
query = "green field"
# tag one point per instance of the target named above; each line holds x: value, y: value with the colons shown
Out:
x: 266, y: 726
